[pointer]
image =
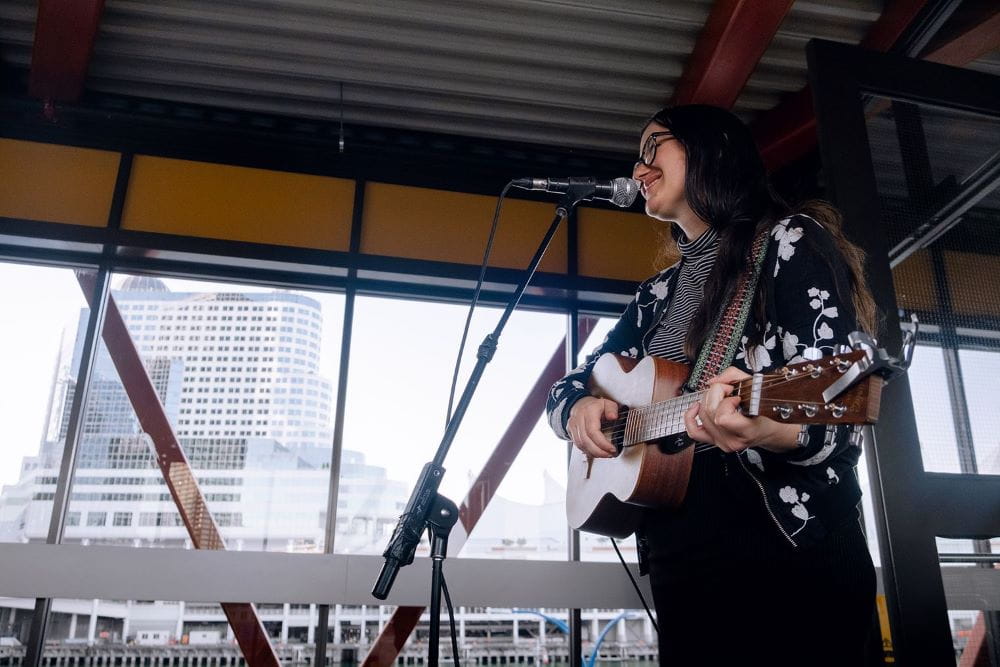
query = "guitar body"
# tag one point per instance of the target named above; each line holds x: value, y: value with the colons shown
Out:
x: 607, y: 496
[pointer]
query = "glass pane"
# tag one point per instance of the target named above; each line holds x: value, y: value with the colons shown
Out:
x: 246, y: 378
x: 15, y: 626
x: 979, y: 369
x: 868, y: 509
x: 493, y: 635
x: 969, y: 636
x: 162, y: 631
x: 42, y: 310
x: 402, y: 359
x: 932, y: 409
x: 970, y: 628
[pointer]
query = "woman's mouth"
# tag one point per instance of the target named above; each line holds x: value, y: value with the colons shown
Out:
x: 646, y: 185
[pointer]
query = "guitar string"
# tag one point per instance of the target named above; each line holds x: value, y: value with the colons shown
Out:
x: 672, y: 410
x: 669, y: 404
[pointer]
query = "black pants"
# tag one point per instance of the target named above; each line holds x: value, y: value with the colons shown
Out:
x: 805, y: 607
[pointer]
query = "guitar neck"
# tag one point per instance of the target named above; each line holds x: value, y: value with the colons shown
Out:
x: 793, y: 396
x: 652, y: 422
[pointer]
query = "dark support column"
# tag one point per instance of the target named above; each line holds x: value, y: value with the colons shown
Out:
x: 57, y: 522
x: 914, y: 589
x: 91, y: 345
x: 921, y: 188
x: 338, y: 423
x: 572, y: 352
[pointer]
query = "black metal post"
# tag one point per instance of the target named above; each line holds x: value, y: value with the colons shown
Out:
x: 444, y: 514
x: 413, y: 521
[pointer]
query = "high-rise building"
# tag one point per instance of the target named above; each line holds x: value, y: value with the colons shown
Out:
x: 238, y: 376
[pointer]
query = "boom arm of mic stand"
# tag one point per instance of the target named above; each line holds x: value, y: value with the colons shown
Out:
x: 413, y: 521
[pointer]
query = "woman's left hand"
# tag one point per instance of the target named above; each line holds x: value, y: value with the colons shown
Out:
x: 717, y: 419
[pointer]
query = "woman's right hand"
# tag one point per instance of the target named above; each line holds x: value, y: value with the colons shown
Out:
x: 584, y: 425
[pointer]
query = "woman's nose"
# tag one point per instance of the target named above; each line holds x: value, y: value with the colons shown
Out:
x: 641, y: 172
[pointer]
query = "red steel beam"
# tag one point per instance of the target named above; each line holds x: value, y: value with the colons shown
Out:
x: 385, y: 649
x: 973, y: 43
x: 976, y: 652
x: 65, y: 32
x: 181, y: 482
x: 788, y: 131
x: 731, y: 44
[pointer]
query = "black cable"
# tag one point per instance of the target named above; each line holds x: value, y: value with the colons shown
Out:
x: 451, y: 620
x: 635, y: 584
x: 475, y: 297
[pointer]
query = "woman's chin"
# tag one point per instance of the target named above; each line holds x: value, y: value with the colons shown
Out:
x: 657, y: 212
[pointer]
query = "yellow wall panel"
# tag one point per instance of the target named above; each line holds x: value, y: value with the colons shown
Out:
x: 618, y: 244
x: 238, y: 203
x: 972, y: 279
x: 56, y: 183
x: 914, y: 283
x: 421, y: 223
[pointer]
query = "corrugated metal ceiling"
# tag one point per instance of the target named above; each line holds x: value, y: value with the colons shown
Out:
x: 582, y: 73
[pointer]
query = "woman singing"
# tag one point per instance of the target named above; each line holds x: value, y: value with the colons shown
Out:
x: 764, y: 562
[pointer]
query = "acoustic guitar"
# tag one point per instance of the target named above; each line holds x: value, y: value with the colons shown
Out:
x: 651, y: 469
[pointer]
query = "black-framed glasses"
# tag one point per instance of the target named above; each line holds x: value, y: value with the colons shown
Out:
x: 648, y: 153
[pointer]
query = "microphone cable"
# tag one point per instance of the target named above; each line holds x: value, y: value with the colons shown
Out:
x: 475, y: 298
x: 451, y: 622
x: 635, y: 584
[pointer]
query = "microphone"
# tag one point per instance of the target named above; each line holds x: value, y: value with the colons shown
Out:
x: 620, y: 191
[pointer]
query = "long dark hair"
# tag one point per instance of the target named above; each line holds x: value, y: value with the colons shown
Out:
x: 726, y: 185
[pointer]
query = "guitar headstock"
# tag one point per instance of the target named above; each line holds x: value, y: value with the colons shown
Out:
x: 829, y: 390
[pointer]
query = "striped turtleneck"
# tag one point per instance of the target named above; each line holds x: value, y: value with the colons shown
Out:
x: 697, y: 259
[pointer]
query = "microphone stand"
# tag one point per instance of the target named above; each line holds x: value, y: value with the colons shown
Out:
x: 427, y: 509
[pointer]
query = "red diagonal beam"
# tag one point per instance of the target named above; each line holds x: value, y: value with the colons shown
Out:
x: 788, y: 131
x: 731, y: 44
x: 181, y: 482
x: 65, y: 32
x: 976, y: 649
x: 385, y: 649
x: 974, y: 43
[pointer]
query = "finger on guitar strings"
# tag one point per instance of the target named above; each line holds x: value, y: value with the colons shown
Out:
x: 586, y: 444
x: 713, y: 398
x: 695, y: 425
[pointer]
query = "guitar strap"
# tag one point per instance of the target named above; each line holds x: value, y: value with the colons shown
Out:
x: 718, y: 351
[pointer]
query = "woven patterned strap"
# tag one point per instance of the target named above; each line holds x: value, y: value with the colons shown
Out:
x: 718, y: 351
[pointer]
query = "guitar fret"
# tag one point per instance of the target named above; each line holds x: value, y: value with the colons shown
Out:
x: 658, y: 420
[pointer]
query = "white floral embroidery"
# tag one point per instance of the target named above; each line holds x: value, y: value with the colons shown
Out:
x: 759, y: 358
x: 660, y: 289
x: 832, y: 476
x: 632, y: 352
x: 790, y: 343
x: 577, y: 384
x: 788, y: 494
x: 786, y: 237
x: 754, y: 458
x: 791, y: 496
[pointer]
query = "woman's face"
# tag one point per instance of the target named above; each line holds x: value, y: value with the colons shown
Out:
x: 662, y: 182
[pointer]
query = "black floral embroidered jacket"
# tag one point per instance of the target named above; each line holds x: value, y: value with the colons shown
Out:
x: 809, y: 312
